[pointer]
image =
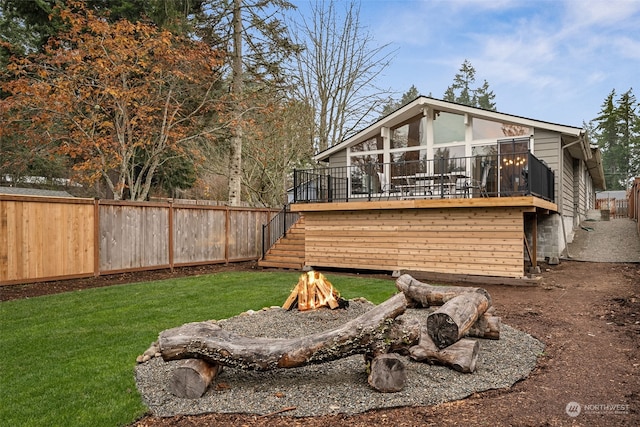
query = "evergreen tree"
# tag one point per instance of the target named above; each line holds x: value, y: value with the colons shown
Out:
x: 406, y: 98
x: 617, y: 132
x: 628, y: 122
x: 462, y: 91
x: 483, y: 97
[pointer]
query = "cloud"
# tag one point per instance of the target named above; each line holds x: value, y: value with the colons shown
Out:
x: 601, y: 13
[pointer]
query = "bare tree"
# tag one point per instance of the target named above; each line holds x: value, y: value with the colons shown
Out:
x: 257, y: 44
x: 337, y: 71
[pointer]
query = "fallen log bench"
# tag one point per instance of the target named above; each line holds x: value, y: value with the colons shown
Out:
x: 463, y: 311
x: 461, y: 356
x: 454, y: 319
x: 374, y: 333
x: 425, y: 295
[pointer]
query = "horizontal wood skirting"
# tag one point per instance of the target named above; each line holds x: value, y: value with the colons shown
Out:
x: 474, y: 241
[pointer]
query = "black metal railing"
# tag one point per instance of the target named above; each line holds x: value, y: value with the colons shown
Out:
x: 495, y: 175
x: 277, y: 228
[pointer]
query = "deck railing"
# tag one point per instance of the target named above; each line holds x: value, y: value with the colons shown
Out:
x: 277, y: 228
x: 497, y: 175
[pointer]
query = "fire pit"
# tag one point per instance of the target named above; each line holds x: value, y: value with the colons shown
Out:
x: 314, y: 291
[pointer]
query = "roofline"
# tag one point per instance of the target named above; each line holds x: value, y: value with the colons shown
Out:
x: 425, y: 101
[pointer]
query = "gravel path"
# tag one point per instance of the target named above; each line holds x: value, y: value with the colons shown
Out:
x: 616, y: 240
x: 335, y: 387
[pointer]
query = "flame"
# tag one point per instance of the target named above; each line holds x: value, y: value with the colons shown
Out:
x: 313, y: 291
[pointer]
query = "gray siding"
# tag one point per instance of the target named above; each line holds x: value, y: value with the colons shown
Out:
x: 546, y: 146
x: 567, y: 200
x: 339, y: 159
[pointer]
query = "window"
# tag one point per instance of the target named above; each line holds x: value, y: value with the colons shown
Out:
x: 487, y: 129
x: 448, y: 127
x: 408, y: 134
x: 372, y: 144
x: 445, y: 159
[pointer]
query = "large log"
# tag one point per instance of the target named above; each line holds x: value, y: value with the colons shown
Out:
x: 453, y: 320
x: 374, y: 332
x: 461, y: 356
x: 425, y: 295
x: 388, y: 374
x: 192, y: 378
x: 487, y: 326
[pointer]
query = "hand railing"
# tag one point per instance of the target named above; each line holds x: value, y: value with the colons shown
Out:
x: 277, y: 228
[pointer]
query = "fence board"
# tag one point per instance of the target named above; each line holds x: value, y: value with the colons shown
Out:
x: 199, y: 235
x: 133, y: 237
x: 55, y: 238
x: 45, y: 239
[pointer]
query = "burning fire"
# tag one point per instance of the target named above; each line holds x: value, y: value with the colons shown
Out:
x: 314, y: 291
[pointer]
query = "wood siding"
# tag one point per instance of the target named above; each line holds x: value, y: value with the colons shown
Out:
x: 45, y: 238
x: 477, y: 241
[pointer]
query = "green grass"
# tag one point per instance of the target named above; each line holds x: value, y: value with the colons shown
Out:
x: 68, y: 359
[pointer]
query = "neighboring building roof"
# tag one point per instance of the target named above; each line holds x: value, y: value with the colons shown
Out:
x: 422, y: 103
x: 33, y: 192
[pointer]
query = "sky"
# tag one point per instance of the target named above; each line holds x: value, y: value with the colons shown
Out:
x: 550, y: 60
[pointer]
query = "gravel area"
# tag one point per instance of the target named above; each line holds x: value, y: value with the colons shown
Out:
x: 616, y: 240
x: 338, y: 387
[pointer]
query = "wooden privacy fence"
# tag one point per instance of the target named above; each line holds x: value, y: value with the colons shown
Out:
x: 618, y: 208
x: 50, y: 238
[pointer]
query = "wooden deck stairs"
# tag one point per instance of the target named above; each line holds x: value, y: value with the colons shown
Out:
x: 288, y: 252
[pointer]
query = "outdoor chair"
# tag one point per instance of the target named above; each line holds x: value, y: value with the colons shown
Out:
x: 386, y: 186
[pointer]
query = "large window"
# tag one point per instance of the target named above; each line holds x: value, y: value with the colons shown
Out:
x: 449, y: 159
x: 448, y: 127
x: 372, y: 144
x: 409, y: 134
x: 487, y: 129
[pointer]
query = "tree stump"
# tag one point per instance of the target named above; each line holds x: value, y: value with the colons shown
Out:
x: 425, y: 295
x: 461, y: 356
x: 192, y: 378
x: 388, y: 373
x: 453, y: 320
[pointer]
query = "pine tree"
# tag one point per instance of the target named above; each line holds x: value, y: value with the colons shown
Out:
x: 406, y: 98
x: 462, y: 91
x: 617, y: 132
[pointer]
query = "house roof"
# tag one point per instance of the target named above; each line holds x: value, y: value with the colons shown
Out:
x: 421, y: 104
x: 33, y: 192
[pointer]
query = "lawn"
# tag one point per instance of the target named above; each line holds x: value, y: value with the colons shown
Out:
x: 68, y: 359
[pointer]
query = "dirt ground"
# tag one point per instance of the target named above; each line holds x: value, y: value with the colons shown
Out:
x: 586, y: 313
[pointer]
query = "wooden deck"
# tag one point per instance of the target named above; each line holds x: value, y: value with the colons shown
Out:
x: 478, y: 236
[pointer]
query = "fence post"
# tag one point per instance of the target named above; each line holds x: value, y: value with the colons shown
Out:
x: 227, y: 228
x: 96, y: 237
x: 171, y: 228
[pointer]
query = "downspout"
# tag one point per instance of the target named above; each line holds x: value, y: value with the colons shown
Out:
x: 561, y: 210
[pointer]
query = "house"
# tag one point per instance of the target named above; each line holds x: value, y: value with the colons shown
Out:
x: 446, y: 188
